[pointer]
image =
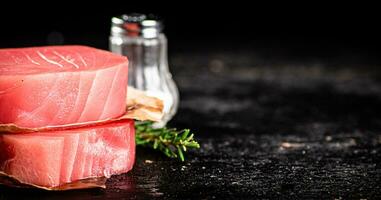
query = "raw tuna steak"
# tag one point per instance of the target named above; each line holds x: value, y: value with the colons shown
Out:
x: 59, y: 85
x: 53, y: 158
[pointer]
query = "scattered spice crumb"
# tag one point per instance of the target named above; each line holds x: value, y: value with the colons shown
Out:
x: 148, y: 161
x: 291, y: 145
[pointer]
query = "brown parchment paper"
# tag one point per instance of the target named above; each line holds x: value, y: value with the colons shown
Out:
x: 96, y: 182
x: 139, y: 107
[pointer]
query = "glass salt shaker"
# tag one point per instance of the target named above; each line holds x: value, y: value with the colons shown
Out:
x: 140, y: 38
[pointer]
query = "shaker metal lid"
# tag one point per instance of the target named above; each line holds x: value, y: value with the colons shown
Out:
x: 135, y: 25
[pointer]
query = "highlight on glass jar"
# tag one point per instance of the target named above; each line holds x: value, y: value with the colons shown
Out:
x: 140, y: 38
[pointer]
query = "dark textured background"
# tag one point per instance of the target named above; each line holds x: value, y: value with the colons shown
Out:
x: 286, y: 103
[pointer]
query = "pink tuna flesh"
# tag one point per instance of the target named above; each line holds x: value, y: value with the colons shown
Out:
x: 59, y: 85
x: 54, y: 158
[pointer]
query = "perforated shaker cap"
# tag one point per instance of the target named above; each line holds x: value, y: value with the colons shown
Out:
x: 136, y: 25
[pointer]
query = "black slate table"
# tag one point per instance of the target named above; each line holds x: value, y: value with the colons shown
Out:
x: 269, y: 127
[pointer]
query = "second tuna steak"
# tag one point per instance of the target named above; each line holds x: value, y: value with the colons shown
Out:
x: 54, y: 158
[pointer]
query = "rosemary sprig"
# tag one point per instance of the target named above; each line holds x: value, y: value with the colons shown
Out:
x: 171, y: 142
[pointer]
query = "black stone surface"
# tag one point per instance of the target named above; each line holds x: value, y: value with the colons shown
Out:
x: 269, y: 127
